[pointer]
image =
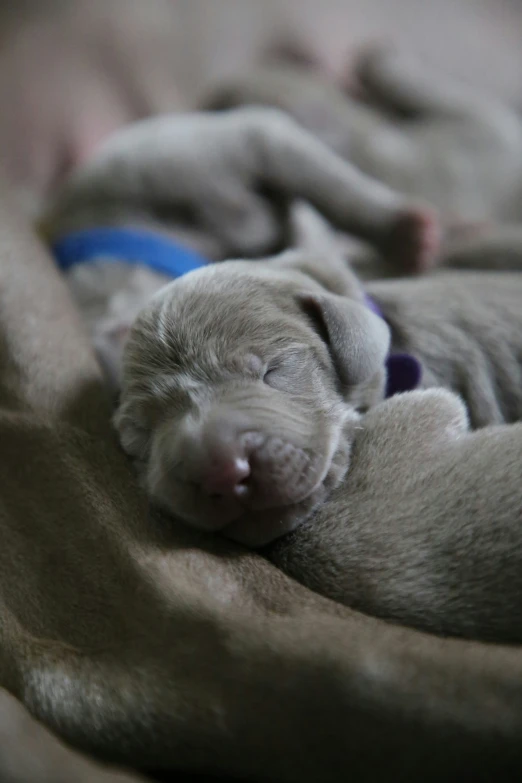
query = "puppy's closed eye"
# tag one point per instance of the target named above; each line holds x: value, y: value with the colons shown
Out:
x: 271, y: 374
x: 288, y: 372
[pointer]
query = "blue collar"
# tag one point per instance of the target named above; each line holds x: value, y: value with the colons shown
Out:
x: 133, y: 246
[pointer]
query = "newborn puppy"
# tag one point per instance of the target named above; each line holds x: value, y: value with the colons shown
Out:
x: 243, y: 383
x: 420, y: 132
x: 240, y: 390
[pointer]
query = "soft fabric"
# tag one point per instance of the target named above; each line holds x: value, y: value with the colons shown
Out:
x: 143, y: 642
x: 30, y: 753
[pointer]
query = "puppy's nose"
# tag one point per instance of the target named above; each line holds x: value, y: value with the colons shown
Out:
x: 227, y: 477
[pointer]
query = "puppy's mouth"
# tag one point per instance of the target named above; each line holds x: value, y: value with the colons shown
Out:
x: 270, y: 490
x: 261, y: 524
x: 282, y: 481
x: 282, y: 475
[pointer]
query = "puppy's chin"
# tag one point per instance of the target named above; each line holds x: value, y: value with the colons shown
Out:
x: 256, y: 529
x: 252, y: 527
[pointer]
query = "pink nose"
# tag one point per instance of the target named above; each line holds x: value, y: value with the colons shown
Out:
x: 226, y: 477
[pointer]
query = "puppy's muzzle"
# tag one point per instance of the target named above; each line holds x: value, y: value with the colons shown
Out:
x: 234, y: 464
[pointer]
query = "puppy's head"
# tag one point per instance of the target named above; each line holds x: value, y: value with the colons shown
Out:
x: 241, y: 386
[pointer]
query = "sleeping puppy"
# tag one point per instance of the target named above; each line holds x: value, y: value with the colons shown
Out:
x: 243, y: 383
x: 418, y: 131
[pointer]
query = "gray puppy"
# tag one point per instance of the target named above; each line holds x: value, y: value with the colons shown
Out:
x: 221, y: 185
x: 243, y: 383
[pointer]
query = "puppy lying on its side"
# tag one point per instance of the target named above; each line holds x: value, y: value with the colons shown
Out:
x: 218, y: 186
x: 420, y: 132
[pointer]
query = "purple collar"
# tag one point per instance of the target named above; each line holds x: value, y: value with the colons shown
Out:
x: 404, y: 371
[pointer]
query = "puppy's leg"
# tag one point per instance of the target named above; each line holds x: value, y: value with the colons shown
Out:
x: 354, y: 201
x: 425, y: 418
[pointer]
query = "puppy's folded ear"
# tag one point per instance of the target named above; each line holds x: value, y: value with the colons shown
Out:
x: 358, y: 340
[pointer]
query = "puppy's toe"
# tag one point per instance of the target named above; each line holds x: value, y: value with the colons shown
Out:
x: 413, y: 243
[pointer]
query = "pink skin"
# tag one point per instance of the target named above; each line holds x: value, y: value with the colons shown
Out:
x: 227, y: 478
x: 415, y: 242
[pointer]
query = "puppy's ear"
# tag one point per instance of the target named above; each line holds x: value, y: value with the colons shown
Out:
x: 358, y: 340
x: 132, y: 431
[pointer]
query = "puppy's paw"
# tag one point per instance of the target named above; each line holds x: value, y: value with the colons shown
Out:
x: 412, y: 245
x: 420, y: 416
